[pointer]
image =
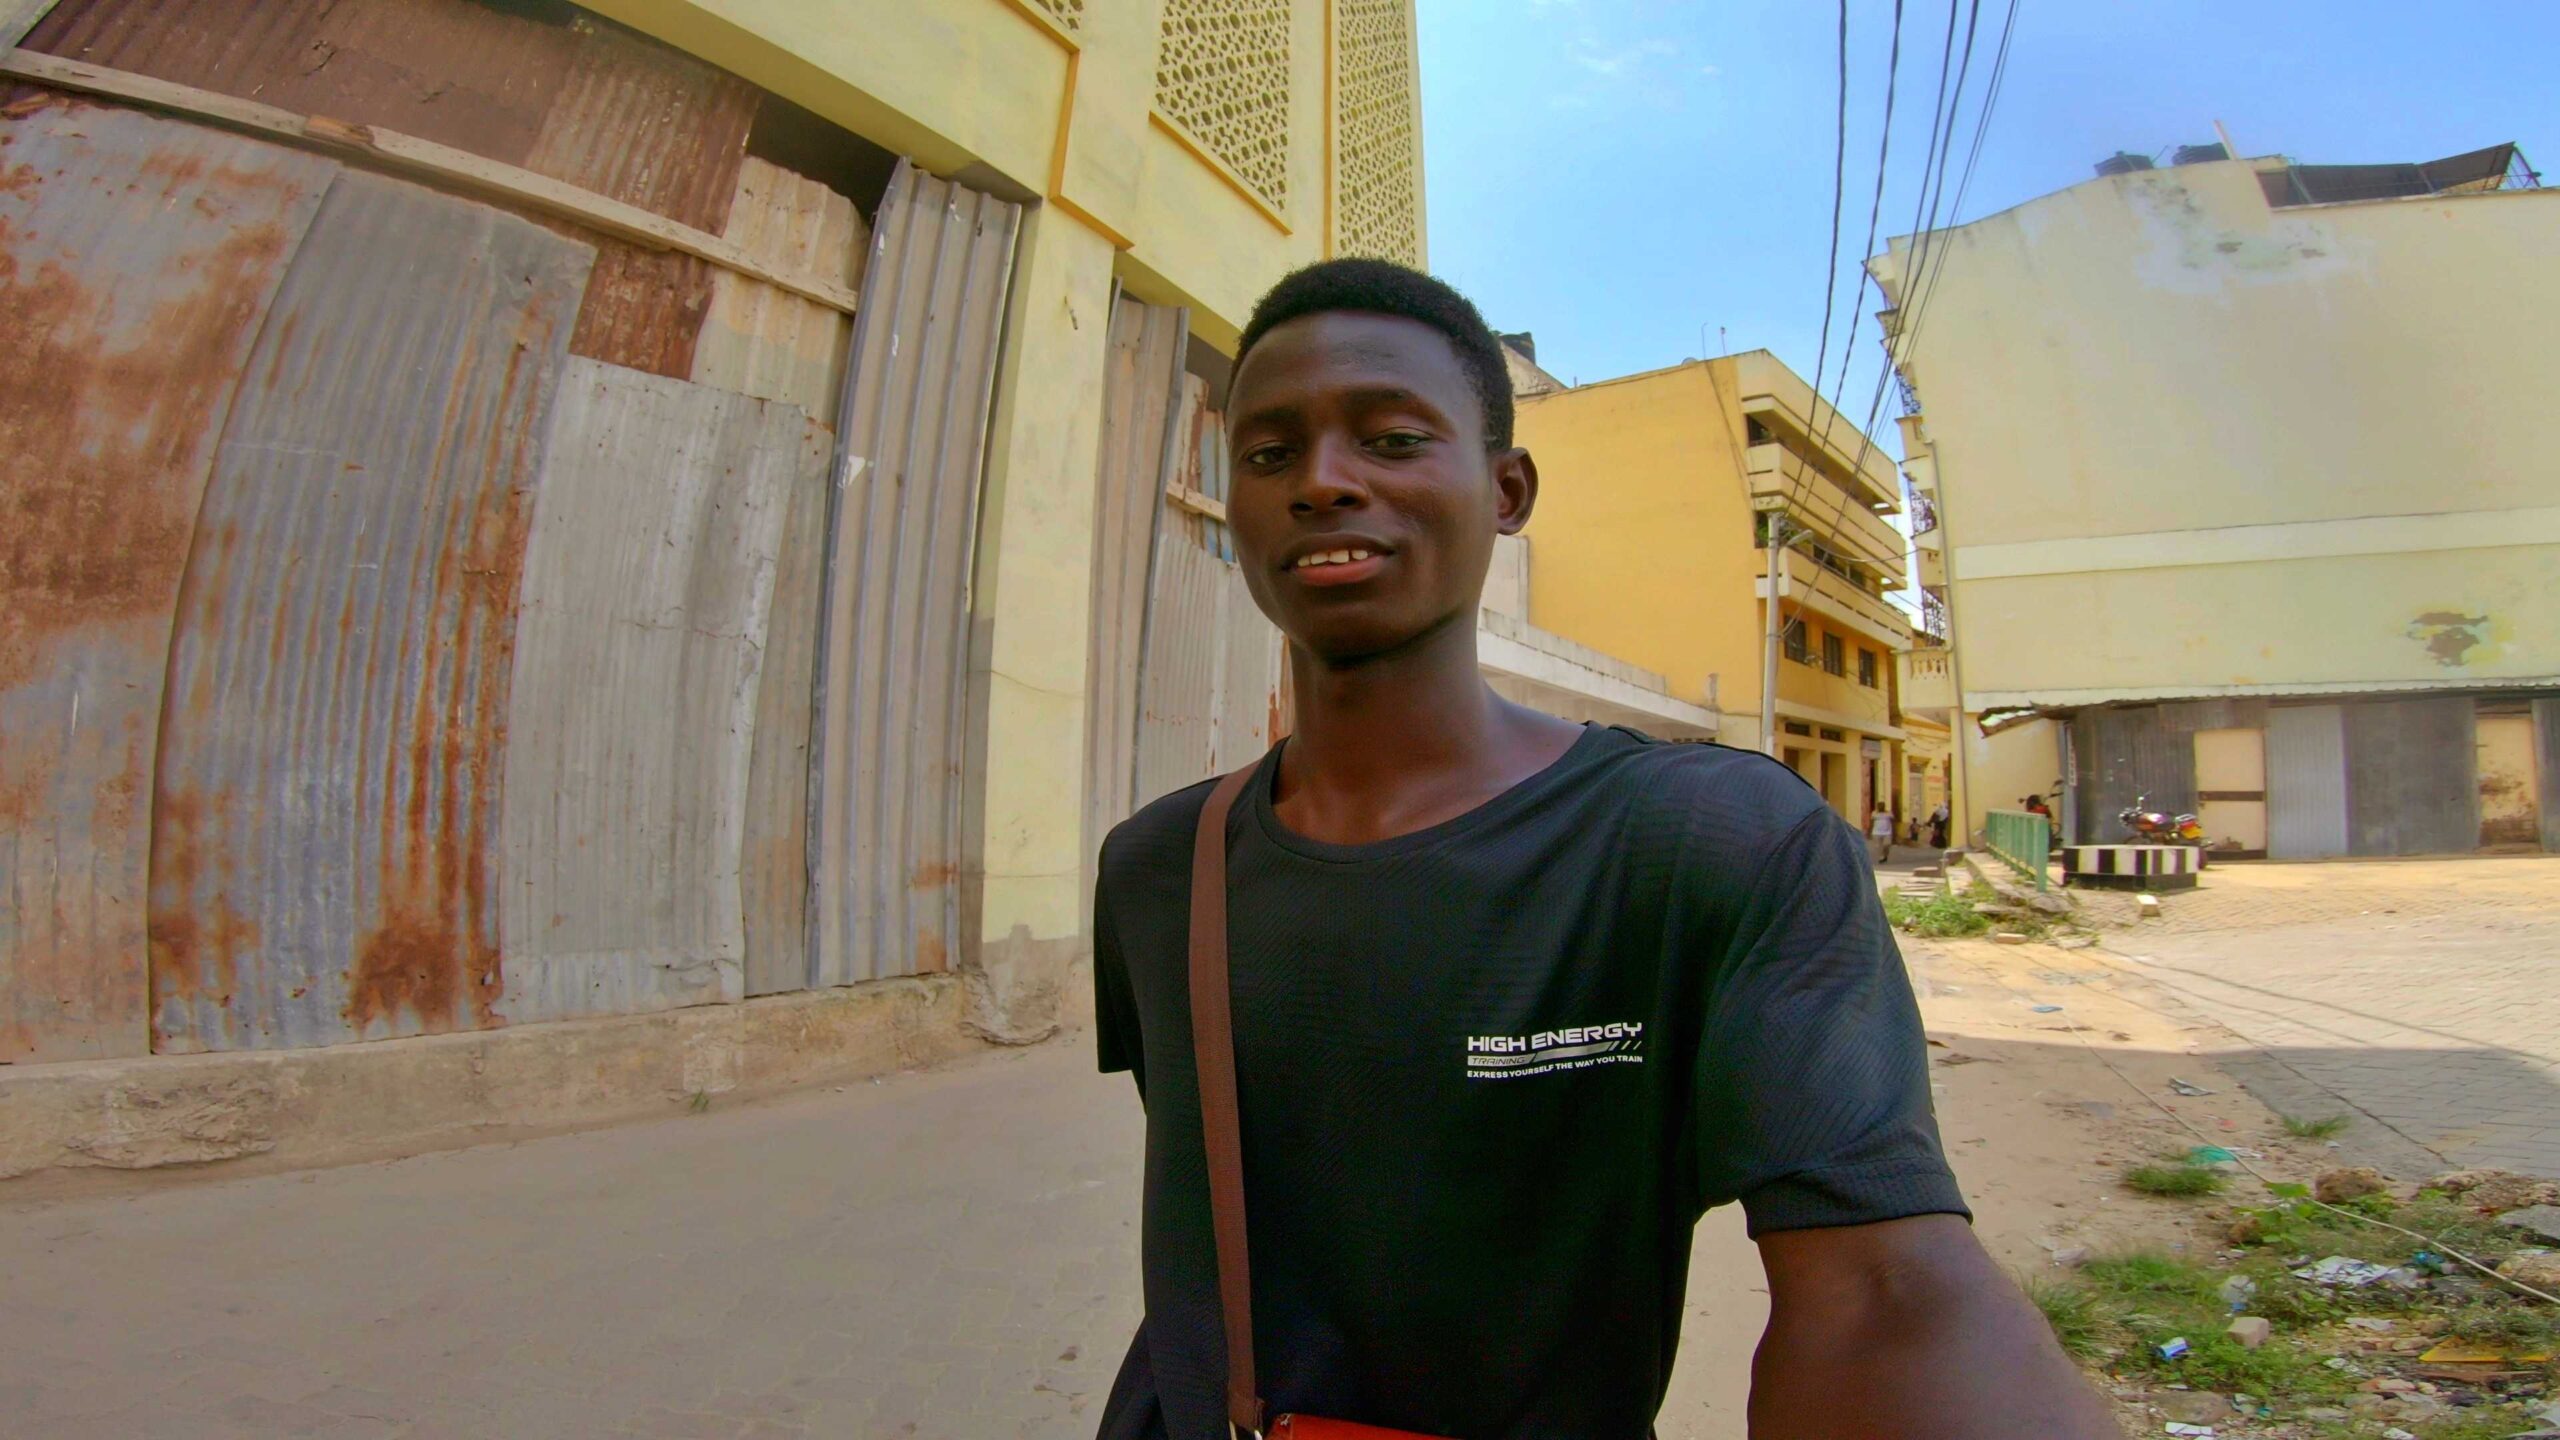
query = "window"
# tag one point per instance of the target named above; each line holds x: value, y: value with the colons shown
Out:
x: 1798, y: 727
x: 1866, y: 667
x: 1794, y: 641
x: 1835, y: 655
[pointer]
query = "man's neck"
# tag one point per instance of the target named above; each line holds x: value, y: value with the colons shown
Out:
x: 1390, y: 744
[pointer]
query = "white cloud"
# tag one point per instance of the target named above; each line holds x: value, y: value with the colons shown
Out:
x: 1614, y: 62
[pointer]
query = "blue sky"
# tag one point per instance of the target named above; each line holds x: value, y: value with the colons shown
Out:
x: 1615, y: 174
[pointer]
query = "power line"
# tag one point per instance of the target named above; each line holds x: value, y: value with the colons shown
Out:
x: 1839, y: 183
x: 1875, y: 207
x: 1942, y: 131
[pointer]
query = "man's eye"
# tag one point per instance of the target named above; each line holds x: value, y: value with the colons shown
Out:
x: 1399, y: 442
x: 1262, y: 457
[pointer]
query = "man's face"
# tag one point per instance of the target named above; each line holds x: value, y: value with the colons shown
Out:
x: 1364, y: 503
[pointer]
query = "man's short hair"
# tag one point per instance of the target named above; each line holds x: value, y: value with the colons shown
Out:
x: 1382, y: 287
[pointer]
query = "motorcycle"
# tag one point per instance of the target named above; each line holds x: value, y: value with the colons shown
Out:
x: 2156, y: 827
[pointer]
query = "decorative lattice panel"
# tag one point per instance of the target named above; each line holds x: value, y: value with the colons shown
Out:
x: 1377, y: 205
x: 1223, y: 75
x: 1068, y: 13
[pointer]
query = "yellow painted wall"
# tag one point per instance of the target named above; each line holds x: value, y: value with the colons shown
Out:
x: 2186, y: 441
x: 978, y: 88
x: 1643, y: 537
x: 1643, y: 530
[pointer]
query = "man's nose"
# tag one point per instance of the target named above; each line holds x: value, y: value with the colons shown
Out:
x: 1330, y: 479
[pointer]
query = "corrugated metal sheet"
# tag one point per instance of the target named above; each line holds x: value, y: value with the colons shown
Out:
x: 647, y: 125
x: 463, y: 74
x: 326, y: 813
x: 2411, y: 782
x: 137, y: 258
x: 775, y: 874
x: 1210, y: 693
x: 2546, y: 759
x: 2129, y: 753
x: 588, y: 103
x: 892, y: 731
x: 2306, y: 782
x: 1141, y: 388
x: 1185, y: 665
x: 2185, y: 717
x: 652, y: 127
x: 762, y: 340
x: 1248, y: 711
x: 647, y: 586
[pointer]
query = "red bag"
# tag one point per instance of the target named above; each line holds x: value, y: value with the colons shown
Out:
x: 1213, y: 1045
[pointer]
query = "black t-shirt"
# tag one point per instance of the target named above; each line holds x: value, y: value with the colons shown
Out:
x: 1491, y: 1074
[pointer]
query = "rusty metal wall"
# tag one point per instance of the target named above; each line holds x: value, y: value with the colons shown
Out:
x: 2546, y: 759
x: 650, y: 126
x: 2133, y: 752
x: 2412, y: 782
x: 138, y: 257
x: 584, y: 102
x: 324, y: 859
x: 886, y: 832
x: 760, y: 339
x: 452, y: 71
x: 648, y: 583
x: 1141, y: 424
x: 774, y: 879
x: 2306, y: 782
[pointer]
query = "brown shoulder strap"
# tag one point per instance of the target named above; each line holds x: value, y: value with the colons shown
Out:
x: 1213, y: 1046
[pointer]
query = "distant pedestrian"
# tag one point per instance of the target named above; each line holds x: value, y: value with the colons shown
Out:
x: 1938, y: 820
x: 1880, y: 829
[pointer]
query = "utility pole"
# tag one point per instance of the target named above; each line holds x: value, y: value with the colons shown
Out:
x: 1779, y: 540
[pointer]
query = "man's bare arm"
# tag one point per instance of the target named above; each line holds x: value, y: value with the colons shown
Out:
x: 1903, y: 1330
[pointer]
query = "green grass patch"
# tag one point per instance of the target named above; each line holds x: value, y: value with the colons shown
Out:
x: 2175, y: 1180
x: 2301, y: 1128
x: 2122, y: 1308
x: 1941, y: 916
x: 2073, y: 1312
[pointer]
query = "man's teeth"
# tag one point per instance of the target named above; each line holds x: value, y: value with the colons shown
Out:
x: 1332, y: 557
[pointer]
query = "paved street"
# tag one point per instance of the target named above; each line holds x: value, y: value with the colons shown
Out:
x: 953, y: 1254
x: 2422, y: 996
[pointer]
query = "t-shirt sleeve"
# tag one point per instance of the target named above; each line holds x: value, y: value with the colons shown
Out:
x: 1813, y: 1075
x: 1115, y: 1005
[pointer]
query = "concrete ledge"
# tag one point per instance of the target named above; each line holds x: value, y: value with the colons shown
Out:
x: 285, y: 1109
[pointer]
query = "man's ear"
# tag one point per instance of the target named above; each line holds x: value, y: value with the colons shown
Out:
x: 1515, y: 486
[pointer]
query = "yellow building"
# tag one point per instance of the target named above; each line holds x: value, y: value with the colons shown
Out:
x: 2246, y: 500
x: 885, y: 332
x: 1656, y: 494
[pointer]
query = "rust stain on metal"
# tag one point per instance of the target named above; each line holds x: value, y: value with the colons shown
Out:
x: 97, y: 531
x: 932, y: 956
x: 137, y: 257
x: 434, y: 953
x: 339, y: 678
x: 463, y: 74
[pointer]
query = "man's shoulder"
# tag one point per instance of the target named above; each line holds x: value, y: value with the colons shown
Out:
x: 1723, y: 792
x: 1158, y: 837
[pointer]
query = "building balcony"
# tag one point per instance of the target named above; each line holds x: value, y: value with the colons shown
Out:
x: 1813, y: 588
x: 1928, y: 679
x: 1781, y: 480
x: 1930, y: 563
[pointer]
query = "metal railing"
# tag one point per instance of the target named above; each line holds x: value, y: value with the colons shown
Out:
x: 2021, y: 839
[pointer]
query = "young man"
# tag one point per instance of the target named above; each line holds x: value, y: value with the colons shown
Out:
x: 1880, y: 829
x: 1516, y: 1000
